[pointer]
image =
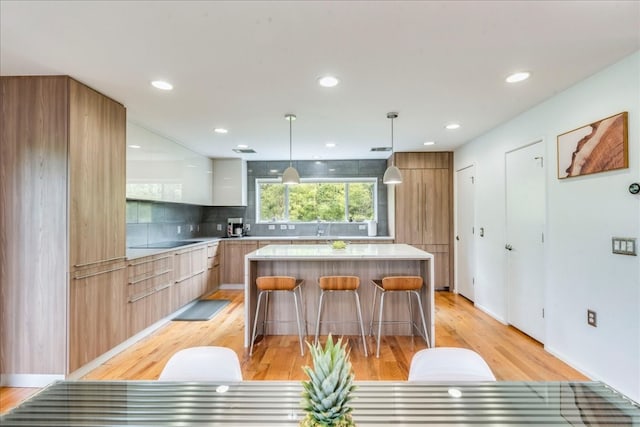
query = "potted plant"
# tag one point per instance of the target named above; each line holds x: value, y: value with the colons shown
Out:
x: 327, y: 393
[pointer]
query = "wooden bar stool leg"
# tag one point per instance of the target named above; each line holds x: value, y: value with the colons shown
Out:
x: 364, y: 342
x: 255, y: 323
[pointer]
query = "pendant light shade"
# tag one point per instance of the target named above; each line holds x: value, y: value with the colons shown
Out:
x: 392, y: 175
x: 290, y: 175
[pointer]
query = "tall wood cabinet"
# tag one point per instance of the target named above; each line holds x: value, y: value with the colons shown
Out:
x: 424, y: 208
x: 62, y: 225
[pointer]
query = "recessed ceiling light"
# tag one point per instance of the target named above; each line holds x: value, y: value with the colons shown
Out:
x: 452, y: 126
x: 429, y: 143
x: 162, y: 85
x: 330, y: 144
x: 243, y: 146
x: 220, y: 130
x: 517, y: 77
x: 328, y: 81
x: 134, y: 146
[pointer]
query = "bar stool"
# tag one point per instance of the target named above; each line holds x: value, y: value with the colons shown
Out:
x: 340, y: 284
x: 268, y: 284
x: 408, y: 284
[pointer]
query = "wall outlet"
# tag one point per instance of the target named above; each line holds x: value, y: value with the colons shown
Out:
x: 179, y: 229
x: 591, y: 318
x: 292, y: 227
x: 271, y: 227
x: 219, y: 227
x: 283, y: 226
x: 624, y: 246
x: 362, y: 227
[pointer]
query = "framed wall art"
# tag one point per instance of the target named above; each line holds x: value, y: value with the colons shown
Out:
x: 597, y: 147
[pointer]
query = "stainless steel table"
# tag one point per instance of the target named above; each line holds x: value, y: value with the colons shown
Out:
x: 154, y: 403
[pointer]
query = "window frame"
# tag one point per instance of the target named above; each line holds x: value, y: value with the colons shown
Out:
x: 336, y: 180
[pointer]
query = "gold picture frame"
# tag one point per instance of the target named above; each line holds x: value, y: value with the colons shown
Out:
x: 597, y: 147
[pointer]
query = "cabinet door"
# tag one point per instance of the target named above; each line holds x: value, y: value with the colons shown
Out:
x: 96, y: 176
x: 97, y: 311
x: 410, y: 207
x: 435, y: 210
x: 182, y: 279
x: 198, y: 271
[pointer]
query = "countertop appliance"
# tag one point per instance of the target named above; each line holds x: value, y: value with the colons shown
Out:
x: 235, y: 227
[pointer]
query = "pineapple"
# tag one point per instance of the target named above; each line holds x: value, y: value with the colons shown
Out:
x: 328, y: 391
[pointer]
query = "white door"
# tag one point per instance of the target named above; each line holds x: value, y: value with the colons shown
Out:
x: 465, y: 247
x: 525, y: 203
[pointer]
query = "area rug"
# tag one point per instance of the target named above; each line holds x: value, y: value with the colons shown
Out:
x: 204, y: 309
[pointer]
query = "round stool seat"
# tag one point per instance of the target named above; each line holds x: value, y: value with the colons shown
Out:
x: 277, y: 283
x: 401, y: 283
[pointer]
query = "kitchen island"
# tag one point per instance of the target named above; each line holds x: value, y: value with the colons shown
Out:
x: 309, y: 262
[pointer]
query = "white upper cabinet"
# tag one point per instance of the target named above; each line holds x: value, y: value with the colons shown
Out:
x: 229, y: 182
x: 160, y: 169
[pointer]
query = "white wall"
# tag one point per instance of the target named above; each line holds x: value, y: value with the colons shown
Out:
x: 583, y: 214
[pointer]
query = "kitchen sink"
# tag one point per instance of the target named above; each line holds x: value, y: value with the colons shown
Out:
x: 166, y: 245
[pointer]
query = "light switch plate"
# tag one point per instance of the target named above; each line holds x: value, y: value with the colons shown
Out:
x: 272, y: 227
x: 624, y: 246
x: 283, y: 226
x: 292, y: 227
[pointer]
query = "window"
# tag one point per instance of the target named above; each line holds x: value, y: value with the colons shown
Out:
x: 335, y: 200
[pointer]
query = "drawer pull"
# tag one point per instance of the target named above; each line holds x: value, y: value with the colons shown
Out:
x: 101, y: 261
x: 133, y: 264
x: 141, y: 296
x: 161, y: 288
x: 142, y: 279
x: 97, y: 273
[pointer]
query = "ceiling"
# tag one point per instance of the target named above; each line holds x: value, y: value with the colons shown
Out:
x: 244, y: 65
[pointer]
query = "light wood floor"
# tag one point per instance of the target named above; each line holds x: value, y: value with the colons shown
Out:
x: 511, y: 354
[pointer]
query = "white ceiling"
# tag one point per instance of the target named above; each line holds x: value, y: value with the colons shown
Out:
x: 243, y: 65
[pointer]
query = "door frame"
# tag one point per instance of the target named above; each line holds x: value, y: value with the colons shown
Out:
x: 455, y: 226
x: 507, y: 287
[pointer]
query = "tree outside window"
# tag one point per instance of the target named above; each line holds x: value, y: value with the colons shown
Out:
x: 330, y: 201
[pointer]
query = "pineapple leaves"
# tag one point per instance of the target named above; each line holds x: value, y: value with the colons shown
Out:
x: 328, y: 391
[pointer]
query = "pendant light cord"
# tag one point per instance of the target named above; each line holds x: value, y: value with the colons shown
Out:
x: 393, y: 162
x: 290, y: 144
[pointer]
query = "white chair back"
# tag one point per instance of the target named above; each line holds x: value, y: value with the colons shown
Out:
x: 202, y: 364
x: 447, y: 364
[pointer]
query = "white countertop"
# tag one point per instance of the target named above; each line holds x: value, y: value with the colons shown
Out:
x: 133, y: 253
x: 326, y: 252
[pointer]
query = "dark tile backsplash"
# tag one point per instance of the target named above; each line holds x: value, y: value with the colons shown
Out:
x: 151, y: 222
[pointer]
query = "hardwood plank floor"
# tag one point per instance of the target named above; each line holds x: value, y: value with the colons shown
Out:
x: 511, y: 354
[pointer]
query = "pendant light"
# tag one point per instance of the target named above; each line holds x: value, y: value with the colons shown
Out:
x: 290, y: 175
x: 392, y: 175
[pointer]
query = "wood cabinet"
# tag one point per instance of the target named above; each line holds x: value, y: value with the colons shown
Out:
x: 233, y: 252
x: 213, y: 268
x: 148, y: 291
x: 97, y: 311
x: 63, y: 196
x: 189, y: 278
x: 424, y: 208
